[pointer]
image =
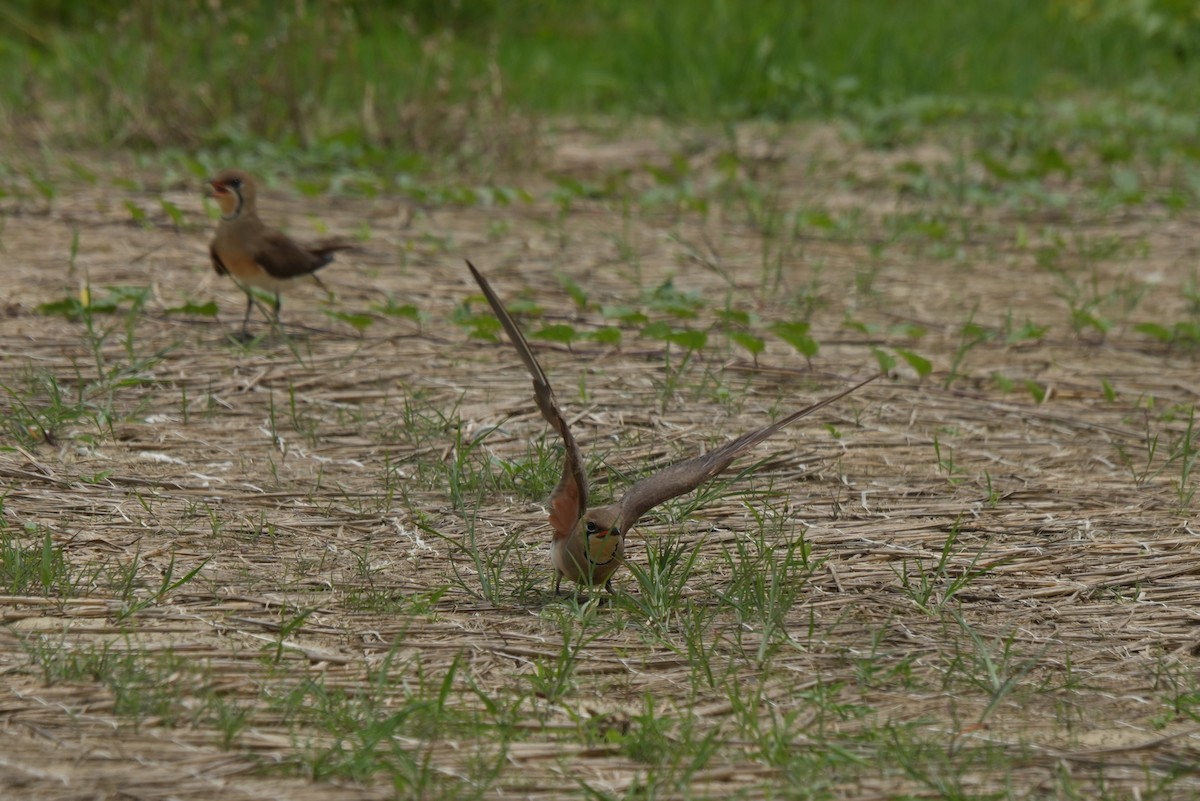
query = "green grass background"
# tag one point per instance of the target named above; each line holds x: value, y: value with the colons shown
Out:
x: 195, y: 73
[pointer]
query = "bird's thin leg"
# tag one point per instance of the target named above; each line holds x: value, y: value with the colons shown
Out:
x: 557, y: 581
x: 608, y: 587
x: 246, y: 319
x: 278, y: 304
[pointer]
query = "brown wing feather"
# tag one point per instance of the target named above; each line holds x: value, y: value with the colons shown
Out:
x: 686, y: 476
x: 569, y: 500
x: 218, y: 265
x: 282, y: 257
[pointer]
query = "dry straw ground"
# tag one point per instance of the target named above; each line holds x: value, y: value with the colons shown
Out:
x: 1048, y: 650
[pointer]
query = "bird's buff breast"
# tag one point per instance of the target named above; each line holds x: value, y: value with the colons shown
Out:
x: 242, y: 267
x: 238, y: 259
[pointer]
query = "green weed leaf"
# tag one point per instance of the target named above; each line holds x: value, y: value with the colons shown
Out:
x: 748, y: 341
x: 556, y: 332
x: 574, y: 290
x: 796, y: 335
x: 686, y: 338
x: 1154, y: 330
x: 357, y: 320
x: 922, y: 365
x: 608, y: 335
x: 887, y: 362
x: 405, y: 311
x: 208, y: 309
x: 734, y: 317
x: 137, y: 213
x: 623, y: 314
x: 172, y: 211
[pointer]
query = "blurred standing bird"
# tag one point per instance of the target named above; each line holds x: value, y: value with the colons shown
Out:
x: 255, y: 255
x: 589, y: 544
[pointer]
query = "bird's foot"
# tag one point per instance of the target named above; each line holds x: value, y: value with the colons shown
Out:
x: 243, y: 337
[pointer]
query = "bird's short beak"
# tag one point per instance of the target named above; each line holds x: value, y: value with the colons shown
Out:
x: 217, y: 188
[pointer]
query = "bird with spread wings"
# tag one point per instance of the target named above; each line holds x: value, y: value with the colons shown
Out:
x: 588, y: 544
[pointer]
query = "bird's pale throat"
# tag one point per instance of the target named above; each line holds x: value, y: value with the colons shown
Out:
x: 222, y: 194
x: 602, y: 545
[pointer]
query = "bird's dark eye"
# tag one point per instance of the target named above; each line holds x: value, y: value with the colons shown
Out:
x: 591, y: 527
x: 235, y: 182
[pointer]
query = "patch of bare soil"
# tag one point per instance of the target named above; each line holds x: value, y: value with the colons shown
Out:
x: 310, y: 481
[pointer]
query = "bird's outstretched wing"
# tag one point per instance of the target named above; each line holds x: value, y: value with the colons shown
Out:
x: 687, y: 475
x: 569, y: 500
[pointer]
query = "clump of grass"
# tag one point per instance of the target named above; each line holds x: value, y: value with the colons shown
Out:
x: 33, y: 564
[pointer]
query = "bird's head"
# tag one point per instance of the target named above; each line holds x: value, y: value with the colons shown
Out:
x: 601, y: 529
x: 233, y: 190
